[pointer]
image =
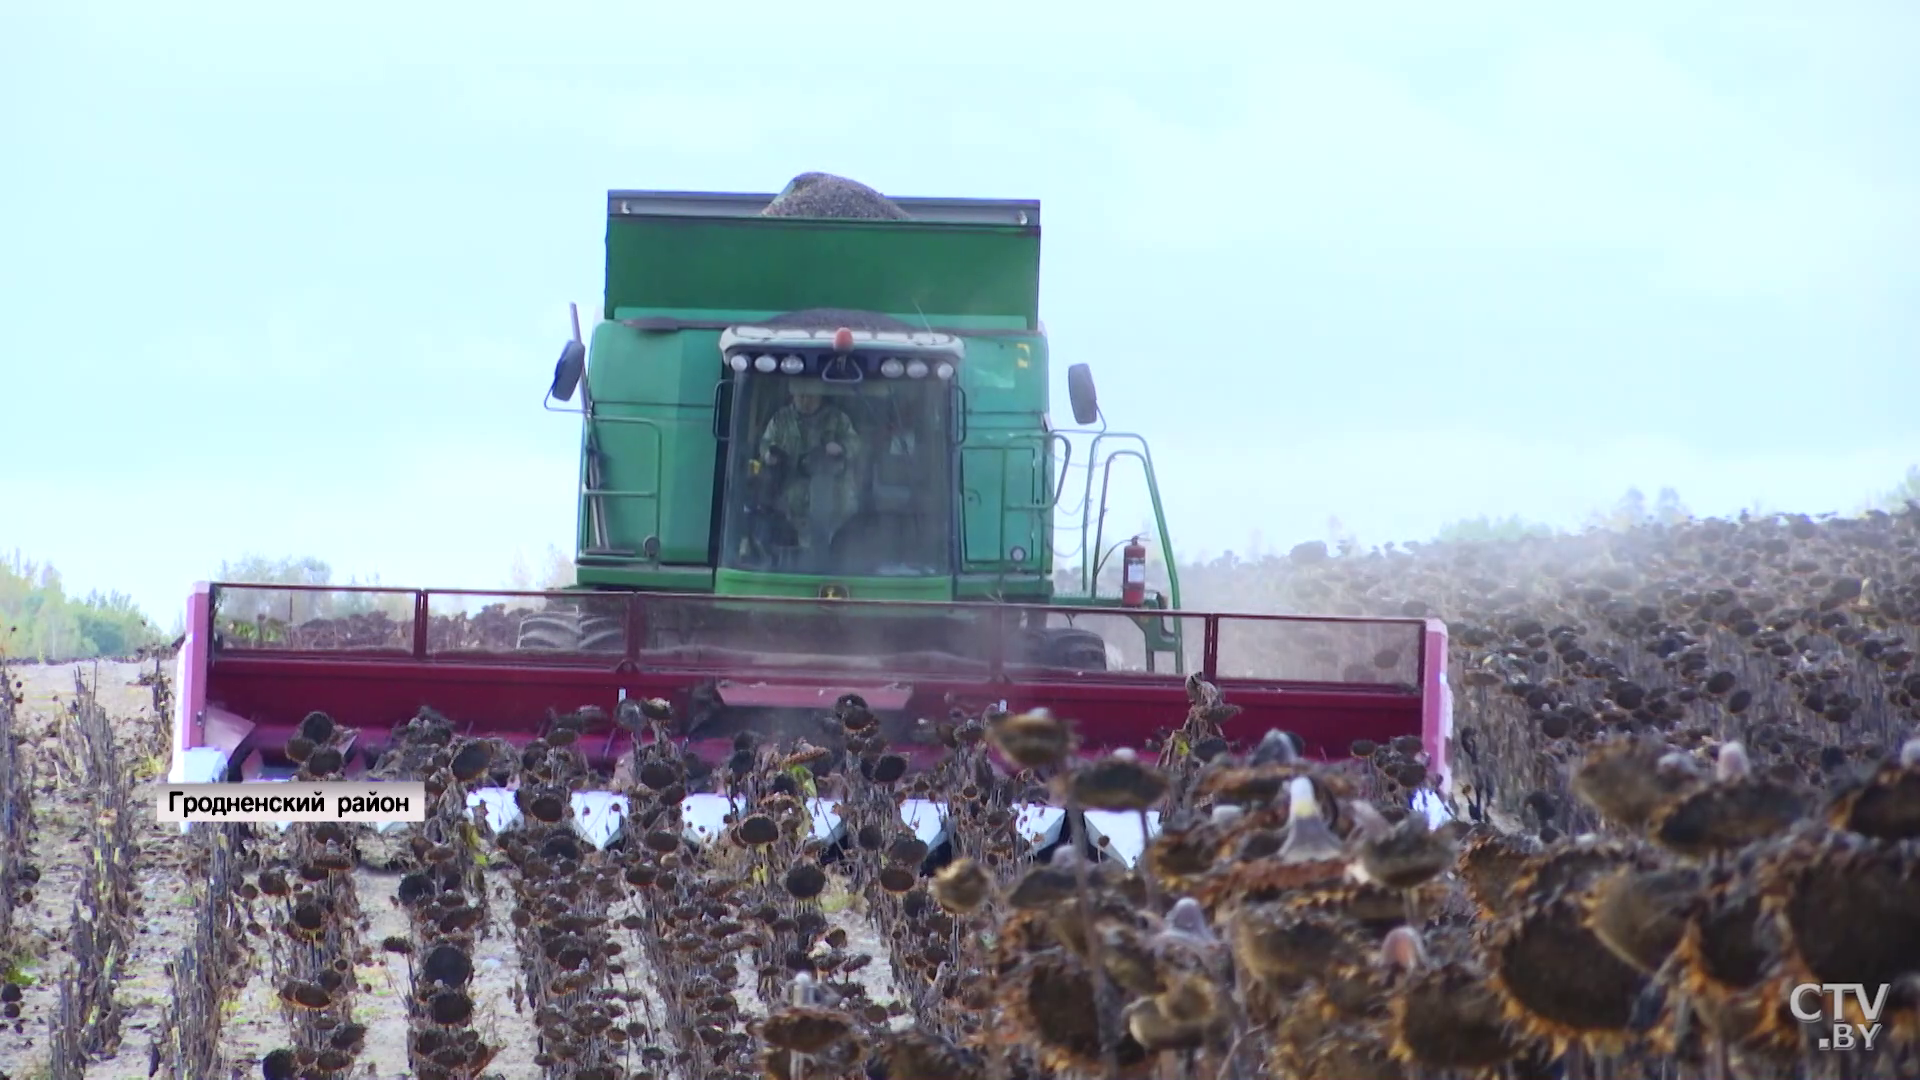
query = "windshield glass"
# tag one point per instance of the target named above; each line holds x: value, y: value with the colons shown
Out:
x: 839, y: 479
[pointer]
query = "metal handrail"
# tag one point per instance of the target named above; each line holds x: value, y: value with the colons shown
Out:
x: 1089, y: 573
x: 635, y: 603
x: 575, y: 594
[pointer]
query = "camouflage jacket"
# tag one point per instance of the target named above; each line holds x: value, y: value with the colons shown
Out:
x: 796, y: 435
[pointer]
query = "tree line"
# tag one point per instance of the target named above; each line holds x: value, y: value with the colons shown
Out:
x: 1634, y: 510
x: 40, y: 621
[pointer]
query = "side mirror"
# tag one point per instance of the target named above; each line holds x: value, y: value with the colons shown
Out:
x: 1086, y: 403
x: 567, y: 371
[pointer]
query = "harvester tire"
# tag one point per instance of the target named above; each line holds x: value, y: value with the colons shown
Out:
x: 568, y: 631
x: 1073, y: 649
x: 556, y: 630
x: 598, y: 633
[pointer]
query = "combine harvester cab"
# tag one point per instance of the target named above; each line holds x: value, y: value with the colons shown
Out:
x: 258, y: 658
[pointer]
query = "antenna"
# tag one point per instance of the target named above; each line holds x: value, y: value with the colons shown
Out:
x: 573, y: 309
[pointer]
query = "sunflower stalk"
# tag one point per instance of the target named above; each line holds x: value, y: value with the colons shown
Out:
x: 86, y: 1024
x: 1103, y: 991
x: 1146, y: 875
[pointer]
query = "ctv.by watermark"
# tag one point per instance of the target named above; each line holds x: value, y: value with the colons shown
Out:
x: 1842, y: 1034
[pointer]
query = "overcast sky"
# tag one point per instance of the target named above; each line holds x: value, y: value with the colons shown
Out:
x: 287, y: 283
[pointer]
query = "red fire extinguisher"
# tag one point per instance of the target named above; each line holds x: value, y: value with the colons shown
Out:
x: 1133, y: 573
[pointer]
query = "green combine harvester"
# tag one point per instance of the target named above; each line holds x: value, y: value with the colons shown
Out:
x: 817, y: 459
x: 924, y: 334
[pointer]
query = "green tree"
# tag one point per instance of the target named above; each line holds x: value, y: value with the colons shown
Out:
x: 1343, y: 540
x: 112, y: 623
x: 554, y: 572
x: 1629, y: 512
x: 39, y: 621
x: 1633, y: 511
x: 1483, y: 528
x: 1907, y: 490
x: 1668, y: 509
x: 295, y: 606
x: 258, y: 569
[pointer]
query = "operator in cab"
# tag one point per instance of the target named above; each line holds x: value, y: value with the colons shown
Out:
x: 813, y: 447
